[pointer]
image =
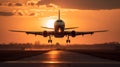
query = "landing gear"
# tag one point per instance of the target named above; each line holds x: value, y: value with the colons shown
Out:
x: 68, y: 40
x: 49, y: 41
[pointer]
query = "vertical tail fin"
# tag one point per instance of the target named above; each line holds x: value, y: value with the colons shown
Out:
x: 59, y: 14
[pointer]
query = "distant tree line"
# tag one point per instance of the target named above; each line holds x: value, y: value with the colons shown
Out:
x: 38, y: 43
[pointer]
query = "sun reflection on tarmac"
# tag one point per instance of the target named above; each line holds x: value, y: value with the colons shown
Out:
x: 54, y: 56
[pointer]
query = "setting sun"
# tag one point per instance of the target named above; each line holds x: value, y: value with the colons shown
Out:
x: 50, y: 23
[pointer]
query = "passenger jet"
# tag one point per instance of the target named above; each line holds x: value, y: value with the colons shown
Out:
x: 59, y: 31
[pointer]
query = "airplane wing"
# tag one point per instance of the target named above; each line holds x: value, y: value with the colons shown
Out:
x: 74, y: 33
x: 28, y: 32
x: 89, y: 32
x: 42, y: 33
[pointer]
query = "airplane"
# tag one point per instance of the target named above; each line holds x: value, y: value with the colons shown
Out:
x: 59, y: 31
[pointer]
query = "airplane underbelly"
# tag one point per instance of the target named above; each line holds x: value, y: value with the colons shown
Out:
x: 59, y: 35
x: 59, y: 29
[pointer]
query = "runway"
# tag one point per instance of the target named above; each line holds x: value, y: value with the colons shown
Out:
x: 59, y: 58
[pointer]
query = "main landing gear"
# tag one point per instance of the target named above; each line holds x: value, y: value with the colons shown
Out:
x: 68, y: 40
x: 50, y: 40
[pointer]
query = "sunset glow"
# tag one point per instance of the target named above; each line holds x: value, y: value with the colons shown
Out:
x: 50, y: 23
x: 31, y: 18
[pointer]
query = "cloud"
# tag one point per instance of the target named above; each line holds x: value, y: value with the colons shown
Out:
x: 6, y: 14
x: 85, y: 4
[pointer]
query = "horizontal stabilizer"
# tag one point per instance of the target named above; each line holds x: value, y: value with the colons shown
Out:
x: 48, y: 28
x: 16, y: 31
x: 71, y: 28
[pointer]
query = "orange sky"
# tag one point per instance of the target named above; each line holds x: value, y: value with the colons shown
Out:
x: 86, y: 20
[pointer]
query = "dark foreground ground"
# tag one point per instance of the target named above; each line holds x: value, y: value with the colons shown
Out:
x: 102, y: 53
x: 17, y: 54
x: 12, y: 55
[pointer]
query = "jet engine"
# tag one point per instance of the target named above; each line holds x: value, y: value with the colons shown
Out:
x: 45, y: 33
x: 73, y: 34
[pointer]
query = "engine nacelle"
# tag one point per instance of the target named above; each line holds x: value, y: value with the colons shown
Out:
x: 45, y: 33
x: 73, y: 34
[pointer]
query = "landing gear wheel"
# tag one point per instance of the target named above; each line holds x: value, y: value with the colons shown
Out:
x: 49, y: 41
x: 67, y: 41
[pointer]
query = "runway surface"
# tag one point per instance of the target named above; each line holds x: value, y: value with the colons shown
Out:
x: 57, y: 58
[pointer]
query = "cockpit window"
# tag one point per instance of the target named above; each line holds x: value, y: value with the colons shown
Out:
x: 59, y: 21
